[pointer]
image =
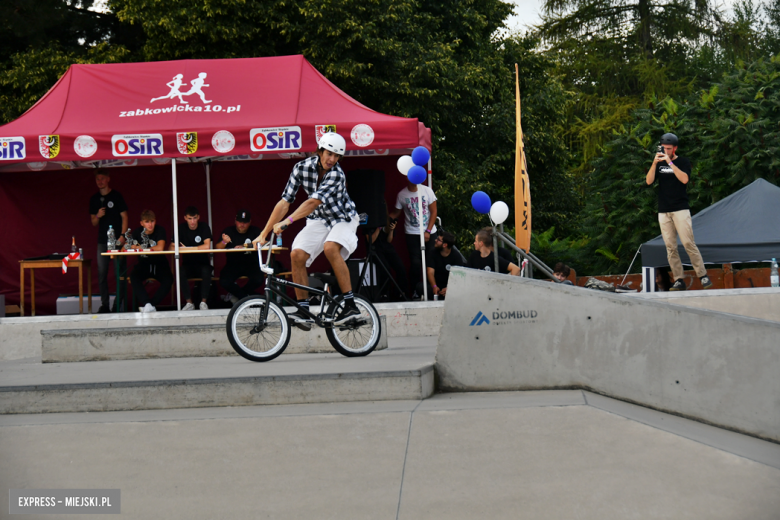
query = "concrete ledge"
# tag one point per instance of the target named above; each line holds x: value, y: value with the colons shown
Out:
x: 20, y: 337
x: 761, y: 302
x: 711, y: 366
x: 74, y: 345
x: 238, y: 391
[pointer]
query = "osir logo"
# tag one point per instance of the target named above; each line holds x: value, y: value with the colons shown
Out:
x: 275, y: 139
x: 187, y: 142
x: 49, y: 146
x: 12, y: 148
x: 141, y: 145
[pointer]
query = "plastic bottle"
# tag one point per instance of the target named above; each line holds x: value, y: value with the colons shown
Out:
x: 111, y: 238
x: 774, y: 278
x: 278, y: 240
x: 73, y: 248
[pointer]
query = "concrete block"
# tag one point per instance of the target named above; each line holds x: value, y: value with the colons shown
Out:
x: 235, y: 391
x: 74, y: 345
x: 760, y: 302
x: 507, y: 333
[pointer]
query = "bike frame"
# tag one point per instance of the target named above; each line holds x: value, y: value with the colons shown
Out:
x: 272, y: 282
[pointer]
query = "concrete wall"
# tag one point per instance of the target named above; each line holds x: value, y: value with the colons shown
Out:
x: 711, y: 366
x: 20, y: 338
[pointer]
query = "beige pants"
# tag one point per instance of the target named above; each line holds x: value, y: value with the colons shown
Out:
x: 679, y: 223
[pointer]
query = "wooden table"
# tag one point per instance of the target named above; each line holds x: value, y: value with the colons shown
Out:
x: 32, y: 265
x: 140, y: 252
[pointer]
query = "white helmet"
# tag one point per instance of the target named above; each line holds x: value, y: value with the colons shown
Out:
x: 333, y: 142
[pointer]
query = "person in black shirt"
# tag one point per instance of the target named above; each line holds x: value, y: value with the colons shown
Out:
x: 150, y: 236
x: 240, y: 264
x: 382, y: 242
x: 482, y: 257
x: 107, y: 208
x: 674, y: 216
x: 442, y: 258
x: 194, y: 234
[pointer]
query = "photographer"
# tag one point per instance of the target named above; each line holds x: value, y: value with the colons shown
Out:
x: 674, y: 215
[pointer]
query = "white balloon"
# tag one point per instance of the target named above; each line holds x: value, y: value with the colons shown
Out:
x: 499, y: 211
x: 404, y: 163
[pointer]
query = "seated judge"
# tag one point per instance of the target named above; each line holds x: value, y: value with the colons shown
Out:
x: 193, y: 235
x: 150, y: 236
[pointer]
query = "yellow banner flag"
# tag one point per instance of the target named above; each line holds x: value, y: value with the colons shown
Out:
x: 522, y: 187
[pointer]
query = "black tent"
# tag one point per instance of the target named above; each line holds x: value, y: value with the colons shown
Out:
x: 743, y: 227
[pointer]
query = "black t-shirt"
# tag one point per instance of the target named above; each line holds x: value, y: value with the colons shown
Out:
x: 488, y: 264
x: 441, y: 266
x: 245, y: 260
x: 381, y: 243
x: 157, y: 235
x: 115, y: 205
x: 191, y: 238
x: 672, y: 194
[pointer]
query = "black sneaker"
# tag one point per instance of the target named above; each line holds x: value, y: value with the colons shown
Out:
x: 706, y: 283
x: 300, y: 320
x: 103, y: 310
x: 347, y: 313
x: 679, y: 285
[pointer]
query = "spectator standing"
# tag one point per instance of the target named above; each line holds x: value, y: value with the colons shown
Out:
x: 194, y: 234
x: 408, y: 202
x: 107, y: 208
x: 674, y: 215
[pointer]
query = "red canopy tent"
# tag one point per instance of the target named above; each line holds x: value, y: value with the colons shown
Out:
x: 143, y: 114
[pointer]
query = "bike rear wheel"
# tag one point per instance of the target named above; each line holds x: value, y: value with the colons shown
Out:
x: 359, y: 336
x: 250, y: 337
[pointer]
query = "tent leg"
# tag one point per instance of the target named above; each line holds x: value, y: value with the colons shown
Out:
x: 176, y: 234
x: 422, y: 246
x: 208, y: 203
x: 648, y: 279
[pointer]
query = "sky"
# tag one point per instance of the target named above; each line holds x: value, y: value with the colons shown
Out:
x: 528, y: 12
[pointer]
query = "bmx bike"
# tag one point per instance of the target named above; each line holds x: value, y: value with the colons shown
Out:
x: 259, y: 330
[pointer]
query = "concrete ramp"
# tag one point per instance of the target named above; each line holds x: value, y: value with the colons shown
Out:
x: 507, y: 333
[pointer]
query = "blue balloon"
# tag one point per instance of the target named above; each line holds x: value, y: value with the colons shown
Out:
x: 420, y: 156
x: 480, y: 201
x: 417, y: 175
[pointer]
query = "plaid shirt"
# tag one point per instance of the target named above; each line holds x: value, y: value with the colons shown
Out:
x: 336, y: 205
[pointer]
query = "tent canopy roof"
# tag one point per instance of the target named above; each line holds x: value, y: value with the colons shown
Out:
x: 743, y: 227
x: 235, y: 106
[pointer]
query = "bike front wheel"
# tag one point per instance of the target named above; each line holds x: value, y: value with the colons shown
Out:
x: 360, y: 335
x: 254, y: 338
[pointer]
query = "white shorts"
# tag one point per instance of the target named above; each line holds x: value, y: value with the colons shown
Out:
x: 314, y: 235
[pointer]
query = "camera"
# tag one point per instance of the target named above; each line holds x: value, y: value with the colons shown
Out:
x: 393, y: 220
x: 660, y: 149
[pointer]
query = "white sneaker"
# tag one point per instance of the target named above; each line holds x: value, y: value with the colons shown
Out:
x: 203, y: 306
x: 233, y: 299
x: 189, y: 307
x: 148, y: 308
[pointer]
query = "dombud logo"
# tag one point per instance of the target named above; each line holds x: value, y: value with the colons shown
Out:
x: 49, y: 146
x: 187, y: 142
x: 142, y: 145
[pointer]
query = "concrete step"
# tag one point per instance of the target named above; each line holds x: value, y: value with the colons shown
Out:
x: 166, y: 341
x: 403, y: 371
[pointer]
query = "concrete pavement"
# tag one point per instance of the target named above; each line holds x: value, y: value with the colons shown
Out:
x: 514, y: 455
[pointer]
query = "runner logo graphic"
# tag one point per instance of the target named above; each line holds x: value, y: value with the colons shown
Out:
x: 479, y: 319
x: 187, y: 142
x: 195, y: 88
x: 320, y: 130
x: 49, y: 146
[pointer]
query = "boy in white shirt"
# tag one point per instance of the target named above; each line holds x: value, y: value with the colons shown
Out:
x: 407, y: 201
